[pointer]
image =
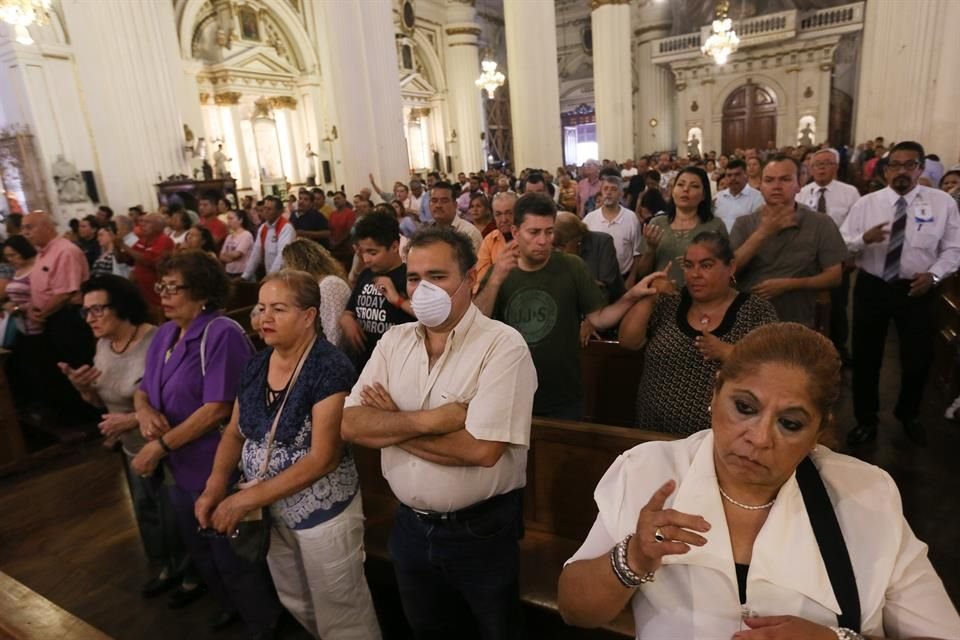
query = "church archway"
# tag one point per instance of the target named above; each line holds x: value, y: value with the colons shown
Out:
x: 749, y: 118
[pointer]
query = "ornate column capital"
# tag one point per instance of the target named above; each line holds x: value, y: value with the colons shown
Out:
x: 283, y: 102
x: 227, y: 98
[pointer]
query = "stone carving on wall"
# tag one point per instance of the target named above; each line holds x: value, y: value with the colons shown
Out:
x: 70, y: 185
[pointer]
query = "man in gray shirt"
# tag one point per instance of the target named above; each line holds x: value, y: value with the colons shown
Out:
x: 787, y: 252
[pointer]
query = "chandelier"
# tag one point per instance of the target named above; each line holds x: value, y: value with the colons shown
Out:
x: 490, y: 79
x: 724, y: 40
x: 22, y: 13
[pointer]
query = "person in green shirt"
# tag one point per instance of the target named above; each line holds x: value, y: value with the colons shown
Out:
x: 543, y: 294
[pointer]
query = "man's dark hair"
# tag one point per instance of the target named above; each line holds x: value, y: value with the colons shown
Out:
x: 210, y: 196
x: 534, y: 204
x: 933, y: 157
x: 305, y: 192
x: 107, y: 211
x: 609, y: 171
x: 653, y: 174
x: 719, y: 245
x: 136, y: 209
x: 203, y: 274
x: 909, y: 145
x: 15, y: 220
x: 92, y: 221
x: 22, y: 246
x: 737, y: 163
x: 462, y: 245
x: 442, y: 185
x: 174, y: 206
x: 317, y: 191
x: 123, y: 296
x: 379, y: 227
x: 782, y: 157
x: 274, y: 200
x: 339, y: 193
x: 434, y: 174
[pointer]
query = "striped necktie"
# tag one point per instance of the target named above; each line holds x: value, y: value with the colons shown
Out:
x: 822, y: 200
x: 891, y: 268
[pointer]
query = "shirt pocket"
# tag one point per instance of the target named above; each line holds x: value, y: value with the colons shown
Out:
x: 927, y: 237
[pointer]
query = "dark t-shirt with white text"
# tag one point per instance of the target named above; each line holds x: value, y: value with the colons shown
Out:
x: 372, y: 310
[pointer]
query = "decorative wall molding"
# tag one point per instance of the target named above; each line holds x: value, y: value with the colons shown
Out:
x: 596, y: 4
x: 283, y: 102
x: 227, y: 98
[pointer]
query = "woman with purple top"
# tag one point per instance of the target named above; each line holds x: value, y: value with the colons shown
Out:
x: 190, y: 382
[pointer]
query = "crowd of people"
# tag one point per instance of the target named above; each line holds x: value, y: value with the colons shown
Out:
x: 434, y: 321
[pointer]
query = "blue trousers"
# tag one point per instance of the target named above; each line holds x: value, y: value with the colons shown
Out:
x: 458, y: 578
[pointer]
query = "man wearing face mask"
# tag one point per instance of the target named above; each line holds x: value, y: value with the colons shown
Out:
x: 448, y: 400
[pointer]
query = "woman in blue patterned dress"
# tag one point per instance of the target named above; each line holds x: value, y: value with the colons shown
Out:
x: 310, y: 484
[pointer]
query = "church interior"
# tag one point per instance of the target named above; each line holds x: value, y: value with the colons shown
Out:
x: 140, y: 103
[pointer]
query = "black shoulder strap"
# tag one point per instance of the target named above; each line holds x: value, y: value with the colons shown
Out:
x: 833, y: 549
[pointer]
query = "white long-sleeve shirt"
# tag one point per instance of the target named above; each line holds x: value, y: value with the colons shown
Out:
x: 840, y: 198
x: 269, y: 252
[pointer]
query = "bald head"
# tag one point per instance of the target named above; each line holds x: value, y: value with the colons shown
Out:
x: 153, y: 224
x: 39, y: 228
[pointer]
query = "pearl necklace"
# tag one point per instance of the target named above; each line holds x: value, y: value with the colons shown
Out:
x: 748, y: 507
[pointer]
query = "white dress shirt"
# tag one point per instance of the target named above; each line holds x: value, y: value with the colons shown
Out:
x: 932, y: 234
x: 839, y: 196
x: 469, y: 230
x: 271, y: 252
x: 625, y: 231
x: 729, y: 207
x: 695, y: 595
x: 485, y: 364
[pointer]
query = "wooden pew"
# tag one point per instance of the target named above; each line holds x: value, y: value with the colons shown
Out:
x: 26, y: 615
x: 13, y: 450
x: 564, y: 465
x: 610, y: 376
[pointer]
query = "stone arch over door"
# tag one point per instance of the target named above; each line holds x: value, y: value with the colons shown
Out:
x: 749, y: 118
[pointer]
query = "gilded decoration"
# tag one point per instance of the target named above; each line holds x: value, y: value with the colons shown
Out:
x: 227, y: 98
x: 204, y: 98
x: 283, y: 102
x: 469, y: 31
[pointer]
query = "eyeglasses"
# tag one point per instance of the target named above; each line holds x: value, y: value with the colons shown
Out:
x: 170, y: 289
x: 94, y: 310
x: 909, y: 165
x: 824, y: 165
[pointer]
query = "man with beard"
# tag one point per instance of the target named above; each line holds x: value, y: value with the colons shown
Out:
x: 619, y: 223
x: 906, y: 239
x: 495, y: 241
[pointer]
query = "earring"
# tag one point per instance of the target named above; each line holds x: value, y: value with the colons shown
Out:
x: 709, y: 409
x: 733, y: 281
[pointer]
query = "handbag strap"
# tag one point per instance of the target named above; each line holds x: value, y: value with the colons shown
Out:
x: 203, y: 341
x: 276, y: 419
x: 833, y: 549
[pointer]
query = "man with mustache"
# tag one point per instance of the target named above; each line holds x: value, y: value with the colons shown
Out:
x: 906, y: 239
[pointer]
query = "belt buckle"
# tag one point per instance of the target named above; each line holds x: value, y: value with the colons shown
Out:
x: 431, y: 515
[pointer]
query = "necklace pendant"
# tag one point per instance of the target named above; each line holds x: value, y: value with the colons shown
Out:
x: 704, y: 320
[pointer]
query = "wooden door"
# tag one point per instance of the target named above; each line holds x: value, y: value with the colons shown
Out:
x: 749, y: 119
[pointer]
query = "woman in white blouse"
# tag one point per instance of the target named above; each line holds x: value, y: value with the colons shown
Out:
x: 716, y: 535
x: 306, y: 255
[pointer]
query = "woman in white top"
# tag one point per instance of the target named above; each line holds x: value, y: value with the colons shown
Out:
x: 712, y: 536
x: 307, y: 255
x: 237, y: 246
x: 180, y: 224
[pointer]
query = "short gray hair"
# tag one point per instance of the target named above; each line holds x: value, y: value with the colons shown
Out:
x: 833, y: 152
x: 612, y: 179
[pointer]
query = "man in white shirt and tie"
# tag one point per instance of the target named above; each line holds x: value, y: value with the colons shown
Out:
x: 826, y: 195
x: 739, y: 198
x: 906, y: 239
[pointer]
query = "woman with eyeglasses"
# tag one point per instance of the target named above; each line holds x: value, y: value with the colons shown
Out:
x: 285, y: 435
x: 189, y: 386
x: 118, y: 317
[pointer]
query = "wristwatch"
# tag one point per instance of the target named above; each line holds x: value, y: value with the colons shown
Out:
x: 936, y: 279
x: 846, y: 634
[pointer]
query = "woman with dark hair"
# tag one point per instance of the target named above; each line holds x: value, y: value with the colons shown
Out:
x: 689, y: 213
x: 106, y: 263
x: 633, y: 191
x: 180, y: 224
x: 87, y: 229
x: 193, y: 368
x: 688, y: 335
x: 950, y: 182
x: 21, y: 255
x: 480, y: 214
x: 199, y: 238
x: 238, y: 243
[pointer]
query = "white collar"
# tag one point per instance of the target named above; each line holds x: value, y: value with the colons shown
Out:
x: 785, y: 552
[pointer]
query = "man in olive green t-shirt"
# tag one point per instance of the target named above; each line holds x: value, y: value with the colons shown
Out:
x: 543, y: 294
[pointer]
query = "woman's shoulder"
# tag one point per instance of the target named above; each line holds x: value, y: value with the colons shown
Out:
x: 652, y: 463
x: 850, y: 478
x: 332, y: 282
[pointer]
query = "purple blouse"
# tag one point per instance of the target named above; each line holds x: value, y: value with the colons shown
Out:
x: 176, y: 387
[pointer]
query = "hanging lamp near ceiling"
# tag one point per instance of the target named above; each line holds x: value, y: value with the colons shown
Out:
x: 491, y: 79
x: 723, y: 40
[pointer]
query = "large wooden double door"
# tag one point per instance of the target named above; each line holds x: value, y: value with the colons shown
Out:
x: 749, y: 119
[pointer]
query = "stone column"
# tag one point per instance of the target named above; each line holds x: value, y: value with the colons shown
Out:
x: 358, y: 56
x: 128, y: 64
x: 908, y: 88
x: 531, y: 35
x: 612, y: 68
x: 656, y: 95
x: 462, y: 69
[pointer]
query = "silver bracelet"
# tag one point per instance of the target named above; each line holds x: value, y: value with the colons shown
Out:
x: 846, y: 634
x: 618, y: 562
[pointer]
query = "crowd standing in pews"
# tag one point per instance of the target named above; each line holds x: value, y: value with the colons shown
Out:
x: 456, y: 352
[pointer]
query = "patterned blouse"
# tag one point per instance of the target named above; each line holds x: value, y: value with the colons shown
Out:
x: 327, y: 371
x: 676, y: 384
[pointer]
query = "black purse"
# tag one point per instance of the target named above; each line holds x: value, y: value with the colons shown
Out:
x: 251, y: 539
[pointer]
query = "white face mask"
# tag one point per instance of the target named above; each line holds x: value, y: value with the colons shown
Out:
x: 431, y: 304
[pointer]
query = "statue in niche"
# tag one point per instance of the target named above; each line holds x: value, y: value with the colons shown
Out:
x: 69, y: 181
x: 693, y: 146
x: 806, y: 136
x: 311, y: 166
x: 220, y: 161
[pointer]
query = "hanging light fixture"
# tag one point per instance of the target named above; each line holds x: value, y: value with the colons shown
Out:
x: 22, y: 13
x: 491, y: 79
x: 724, y: 40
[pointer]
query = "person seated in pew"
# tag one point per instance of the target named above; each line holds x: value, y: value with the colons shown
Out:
x: 752, y: 529
x: 448, y: 399
x: 688, y: 334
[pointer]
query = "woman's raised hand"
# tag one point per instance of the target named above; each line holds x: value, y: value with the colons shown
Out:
x: 678, y: 531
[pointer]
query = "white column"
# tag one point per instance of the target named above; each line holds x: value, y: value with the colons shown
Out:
x: 656, y: 96
x: 358, y: 57
x: 612, y: 68
x: 462, y: 69
x: 531, y: 34
x: 908, y: 86
x: 129, y: 66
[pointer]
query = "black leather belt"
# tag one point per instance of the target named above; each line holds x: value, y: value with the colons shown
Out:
x: 466, y: 513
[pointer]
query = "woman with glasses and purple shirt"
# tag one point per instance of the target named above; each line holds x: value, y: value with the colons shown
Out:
x: 193, y: 369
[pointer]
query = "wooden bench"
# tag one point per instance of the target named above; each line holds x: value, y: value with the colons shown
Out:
x: 610, y: 376
x: 13, y: 449
x: 26, y: 615
x: 565, y: 463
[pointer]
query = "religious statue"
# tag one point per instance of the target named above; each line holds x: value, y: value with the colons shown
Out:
x: 693, y: 146
x: 311, y: 166
x: 220, y: 161
x: 69, y: 181
x: 806, y: 136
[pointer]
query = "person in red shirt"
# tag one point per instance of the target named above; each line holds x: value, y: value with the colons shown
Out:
x: 207, y: 210
x: 341, y: 221
x: 152, y: 246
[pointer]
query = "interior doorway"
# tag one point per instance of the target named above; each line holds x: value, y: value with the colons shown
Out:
x: 749, y: 118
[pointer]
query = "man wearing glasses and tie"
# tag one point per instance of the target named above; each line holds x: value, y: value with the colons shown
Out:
x: 906, y: 239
